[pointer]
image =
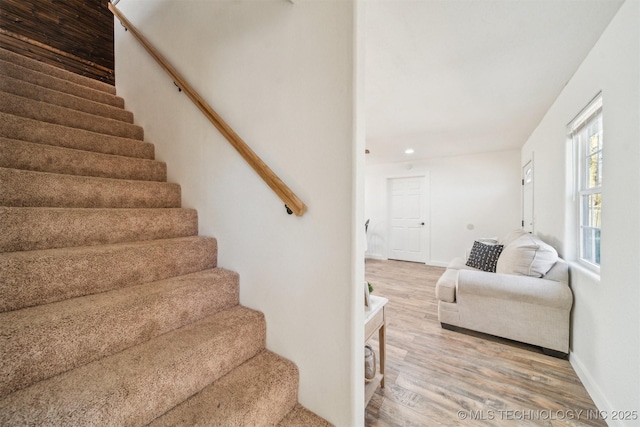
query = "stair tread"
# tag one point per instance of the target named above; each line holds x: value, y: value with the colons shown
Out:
x: 48, y: 275
x: 39, y: 342
x: 300, y: 416
x: 36, y: 65
x: 259, y: 392
x: 17, y: 154
x: 60, y: 84
x: 29, y: 90
x: 40, y: 189
x: 50, y: 113
x: 26, y: 129
x: 133, y: 386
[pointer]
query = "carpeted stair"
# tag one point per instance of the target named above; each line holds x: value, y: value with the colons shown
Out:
x: 113, y: 311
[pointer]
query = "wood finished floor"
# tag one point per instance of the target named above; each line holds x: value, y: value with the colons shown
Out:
x: 436, y: 377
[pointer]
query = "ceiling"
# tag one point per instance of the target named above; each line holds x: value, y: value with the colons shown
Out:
x: 452, y: 77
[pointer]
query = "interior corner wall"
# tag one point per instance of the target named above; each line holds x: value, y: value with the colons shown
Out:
x: 281, y: 75
x: 469, y: 197
x: 605, y: 336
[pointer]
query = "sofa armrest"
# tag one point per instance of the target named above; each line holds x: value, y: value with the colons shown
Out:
x: 446, y: 285
x: 509, y: 287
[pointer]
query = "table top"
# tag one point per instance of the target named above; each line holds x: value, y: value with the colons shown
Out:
x: 376, y: 305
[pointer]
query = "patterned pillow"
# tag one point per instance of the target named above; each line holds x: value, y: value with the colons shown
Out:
x: 484, y: 257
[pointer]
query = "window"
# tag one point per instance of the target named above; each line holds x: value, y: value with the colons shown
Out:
x: 586, y: 134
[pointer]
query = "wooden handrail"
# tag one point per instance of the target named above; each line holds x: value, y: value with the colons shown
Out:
x: 291, y: 201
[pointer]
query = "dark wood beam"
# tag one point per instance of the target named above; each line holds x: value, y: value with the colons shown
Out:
x: 76, y: 35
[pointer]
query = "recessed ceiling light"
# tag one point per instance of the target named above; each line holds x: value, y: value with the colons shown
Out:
x: 409, y: 151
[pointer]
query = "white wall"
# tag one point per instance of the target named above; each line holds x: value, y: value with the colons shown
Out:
x: 605, y: 344
x: 479, y: 191
x: 282, y: 76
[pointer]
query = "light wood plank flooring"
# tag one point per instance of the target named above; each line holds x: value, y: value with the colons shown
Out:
x: 437, y: 377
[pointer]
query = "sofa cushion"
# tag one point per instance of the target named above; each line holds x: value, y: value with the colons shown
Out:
x: 484, y: 256
x: 527, y: 255
x: 511, y: 236
x: 459, y: 264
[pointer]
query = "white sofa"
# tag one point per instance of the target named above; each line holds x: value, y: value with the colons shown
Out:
x: 527, y: 299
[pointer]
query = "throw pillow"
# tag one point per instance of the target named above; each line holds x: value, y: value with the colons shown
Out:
x: 512, y: 236
x: 527, y: 256
x: 484, y: 257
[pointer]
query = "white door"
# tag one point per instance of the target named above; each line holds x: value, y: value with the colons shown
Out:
x: 527, y: 197
x: 407, y: 219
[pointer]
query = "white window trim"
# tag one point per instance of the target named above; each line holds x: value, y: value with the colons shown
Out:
x: 582, y: 119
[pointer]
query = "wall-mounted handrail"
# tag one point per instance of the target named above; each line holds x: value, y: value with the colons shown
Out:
x: 292, y: 202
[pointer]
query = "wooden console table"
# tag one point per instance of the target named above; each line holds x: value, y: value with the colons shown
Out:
x: 375, y: 320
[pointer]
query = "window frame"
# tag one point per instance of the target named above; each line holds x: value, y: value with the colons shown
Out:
x: 578, y: 128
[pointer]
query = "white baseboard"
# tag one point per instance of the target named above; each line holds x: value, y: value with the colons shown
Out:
x: 437, y: 263
x: 600, y: 400
x: 383, y: 258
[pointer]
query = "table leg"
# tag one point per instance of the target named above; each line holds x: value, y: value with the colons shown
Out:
x: 381, y: 342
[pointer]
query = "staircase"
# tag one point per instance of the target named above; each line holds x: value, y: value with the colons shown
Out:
x: 113, y: 311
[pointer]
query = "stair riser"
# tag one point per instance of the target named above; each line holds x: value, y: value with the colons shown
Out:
x: 15, y: 127
x: 39, y: 93
x: 57, y: 84
x: 28, y: 229
x: 37, y: 110
x: 272, y: 383
x: 35, y: 65
x: 26, y: 188
x: 41, y: 277
x: 23, y: 155
x: 40, y: 342
x: 134, y: 386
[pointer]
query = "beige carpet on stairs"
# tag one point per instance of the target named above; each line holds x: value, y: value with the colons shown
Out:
x: 113, y: 311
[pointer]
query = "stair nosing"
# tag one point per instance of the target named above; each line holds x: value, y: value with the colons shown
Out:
x: 81, y: 177
x: 97, y: 248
